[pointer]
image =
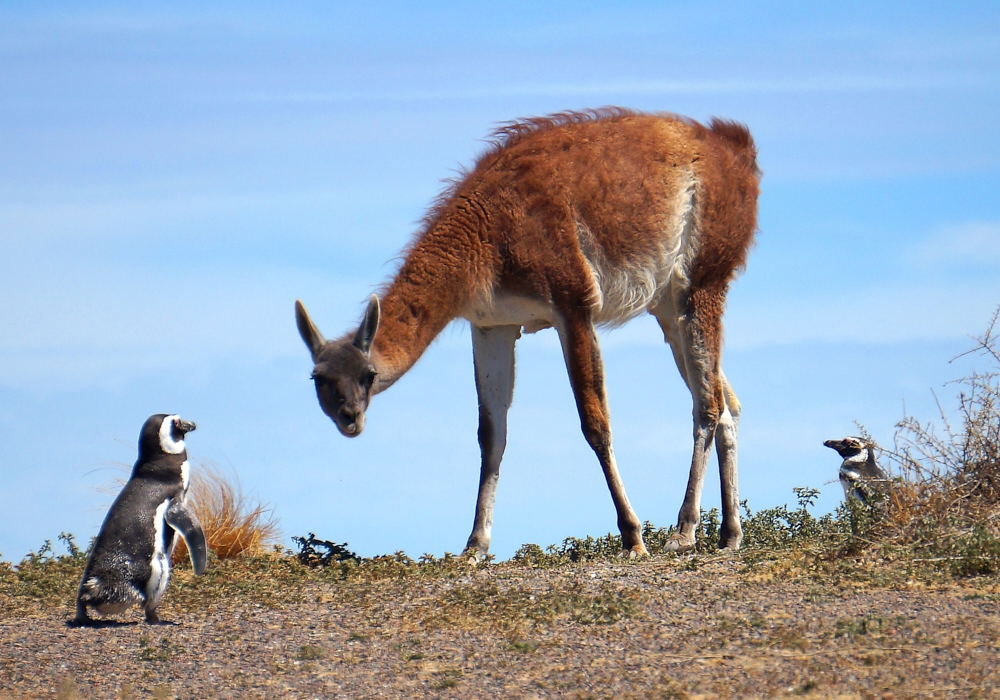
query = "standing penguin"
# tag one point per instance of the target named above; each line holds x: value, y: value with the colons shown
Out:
x: 130, y: 560
x: 860, y: 475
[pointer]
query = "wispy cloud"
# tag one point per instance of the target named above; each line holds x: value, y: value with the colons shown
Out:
x: 975, y: 243
x: 811, y: 84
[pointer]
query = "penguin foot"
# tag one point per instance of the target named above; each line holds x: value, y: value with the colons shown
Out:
x: 153, y: 619
x: 87, y: 621
x: 81, y: 621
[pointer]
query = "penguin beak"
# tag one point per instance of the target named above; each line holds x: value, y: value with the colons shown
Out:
x: 184, y: 426
x: 834, y: 444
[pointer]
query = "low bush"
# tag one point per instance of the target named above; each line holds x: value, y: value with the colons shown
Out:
x: 314, y: 552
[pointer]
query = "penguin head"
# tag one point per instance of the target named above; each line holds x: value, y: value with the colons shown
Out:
x: 850, y: 448
x: 163, y: 434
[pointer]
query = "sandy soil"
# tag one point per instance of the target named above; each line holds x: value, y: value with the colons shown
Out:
x: 655, y: 629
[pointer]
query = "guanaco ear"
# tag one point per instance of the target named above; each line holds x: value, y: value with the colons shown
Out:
x: 307, y: 329
x: 369, y: 326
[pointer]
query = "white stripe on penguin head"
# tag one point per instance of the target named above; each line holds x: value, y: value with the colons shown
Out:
x: 167, y: 442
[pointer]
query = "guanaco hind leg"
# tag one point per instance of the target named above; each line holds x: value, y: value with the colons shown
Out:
x: 493, y: 356
x: 731, y: 535
x: 716, y: 413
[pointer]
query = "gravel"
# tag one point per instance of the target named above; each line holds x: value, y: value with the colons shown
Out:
x: 670, y: 628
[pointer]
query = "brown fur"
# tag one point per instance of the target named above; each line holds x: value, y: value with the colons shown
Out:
x: 508, y: 222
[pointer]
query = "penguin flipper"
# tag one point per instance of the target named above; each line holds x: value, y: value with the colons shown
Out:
x: 182, y: 519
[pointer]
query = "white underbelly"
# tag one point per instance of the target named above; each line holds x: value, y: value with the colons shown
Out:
x: 510, y: 310
x: 114, y: 608
x: 159, y: 574
x: 644, y: 281
x: 627, y: 292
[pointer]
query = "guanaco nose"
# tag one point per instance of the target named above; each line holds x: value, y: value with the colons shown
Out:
x: 350, y: 414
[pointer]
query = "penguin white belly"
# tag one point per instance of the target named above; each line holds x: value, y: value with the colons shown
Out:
x: 114, y: 608
x: 159, y: 574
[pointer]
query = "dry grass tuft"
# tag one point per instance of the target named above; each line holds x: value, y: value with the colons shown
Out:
x: 234, y: 522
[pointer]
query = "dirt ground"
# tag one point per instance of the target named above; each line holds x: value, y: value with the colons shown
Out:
x: 663, y: 628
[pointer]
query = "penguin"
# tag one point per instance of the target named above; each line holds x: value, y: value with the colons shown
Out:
x: 129, y: 563
x: 860, y: 474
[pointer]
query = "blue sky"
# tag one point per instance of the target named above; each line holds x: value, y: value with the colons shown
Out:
x: 172, y: 178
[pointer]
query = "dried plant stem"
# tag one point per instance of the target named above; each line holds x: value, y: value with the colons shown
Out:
x: 234, y: 522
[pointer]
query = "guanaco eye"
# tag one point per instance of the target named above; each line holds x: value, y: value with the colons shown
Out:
x: 320, y: 380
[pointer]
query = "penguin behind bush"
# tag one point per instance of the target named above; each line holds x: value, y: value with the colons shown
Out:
x: 860, y: 475
x: 129, y: 563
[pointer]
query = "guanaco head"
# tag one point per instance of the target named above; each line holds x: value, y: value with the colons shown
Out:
x: 344, y: 373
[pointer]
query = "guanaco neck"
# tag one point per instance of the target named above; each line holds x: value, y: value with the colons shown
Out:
x: 442, y: 272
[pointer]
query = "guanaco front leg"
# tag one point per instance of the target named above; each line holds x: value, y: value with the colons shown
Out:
x: 586, y: 373
x: 493, y: 356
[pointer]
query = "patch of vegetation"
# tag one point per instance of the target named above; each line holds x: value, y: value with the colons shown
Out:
x: 271, y: 580
x: 309, y: 652
x: 400, y: 567
x: 163, y: 692
x: 780, y: 528
x: 43, y: 578
x: 234, y: 522
x: 448, y: 678
x: 165, y: 650
x: 274, y: 579
x: 806, y: 688
x: 945, y: 505
x: 773, y: 529
x: 511, y: 609
x: 609, y: 546
x: 310, y: 555
x: 859, y: 626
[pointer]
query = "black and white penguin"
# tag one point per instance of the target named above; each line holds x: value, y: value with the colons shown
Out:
x: 129, y: 563
x: 860, y: 474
